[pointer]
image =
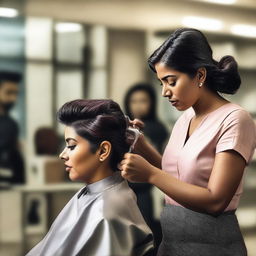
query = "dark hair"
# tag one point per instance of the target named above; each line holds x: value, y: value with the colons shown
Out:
x: 96, y: 121
x: 187, y: 49
x: 147, y: 88
x: 10, y: 77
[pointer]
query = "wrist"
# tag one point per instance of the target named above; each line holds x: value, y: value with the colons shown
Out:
x: 153, y: 175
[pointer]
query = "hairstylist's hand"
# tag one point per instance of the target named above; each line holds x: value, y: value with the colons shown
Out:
x: 136, y: 169
x: 134, y: 133
x: 137, y: 123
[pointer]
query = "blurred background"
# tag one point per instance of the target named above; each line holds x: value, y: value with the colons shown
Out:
x: 98, y: 49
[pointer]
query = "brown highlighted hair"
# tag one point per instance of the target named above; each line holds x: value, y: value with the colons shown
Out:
x: 96, y: 121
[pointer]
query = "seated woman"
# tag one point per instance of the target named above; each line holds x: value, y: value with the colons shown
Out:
x: 102, y: 218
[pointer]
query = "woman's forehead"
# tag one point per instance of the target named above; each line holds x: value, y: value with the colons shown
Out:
x: 70, y: 133
x: 163, y: 70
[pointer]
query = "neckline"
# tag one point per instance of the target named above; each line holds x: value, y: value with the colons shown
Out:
x: 101, y: 185
x: 200, y: 123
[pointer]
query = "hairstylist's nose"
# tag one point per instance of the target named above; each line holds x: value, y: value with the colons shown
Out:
x: 63, y: 155
x: 166, y: 92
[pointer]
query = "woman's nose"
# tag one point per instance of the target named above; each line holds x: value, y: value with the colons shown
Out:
x: 63, y: 155
x: 166, y: 92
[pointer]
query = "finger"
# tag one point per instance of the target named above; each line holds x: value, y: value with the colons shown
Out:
x: 122, y: 166
x: 138, y: 123
x: 123, y: 174
x: 127, y: 156
x: 119, y: 167
x: 122, y: 162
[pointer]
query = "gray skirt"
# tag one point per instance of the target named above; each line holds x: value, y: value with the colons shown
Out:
x: 189, y: 233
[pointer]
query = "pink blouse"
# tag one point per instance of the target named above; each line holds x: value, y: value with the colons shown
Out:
x: 227, y: 128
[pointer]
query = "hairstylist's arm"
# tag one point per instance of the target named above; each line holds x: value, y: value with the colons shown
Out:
x: 226, y: 175
x: 145, y: 149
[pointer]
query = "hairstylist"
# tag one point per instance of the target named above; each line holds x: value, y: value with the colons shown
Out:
x: 202, y: 168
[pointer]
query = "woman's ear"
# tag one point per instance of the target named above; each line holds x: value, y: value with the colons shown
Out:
x: 104, y: 150
x: 201, y: 73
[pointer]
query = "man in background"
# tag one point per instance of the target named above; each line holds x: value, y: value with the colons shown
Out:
x: 11, y: 162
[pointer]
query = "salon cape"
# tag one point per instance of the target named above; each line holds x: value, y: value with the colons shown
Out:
x: 101, y: 219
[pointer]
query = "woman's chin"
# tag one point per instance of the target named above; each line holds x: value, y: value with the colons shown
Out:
x: 73, y: 177
x: 182, y: 107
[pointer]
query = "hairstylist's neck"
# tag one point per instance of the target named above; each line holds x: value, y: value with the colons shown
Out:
x: 208, y: 102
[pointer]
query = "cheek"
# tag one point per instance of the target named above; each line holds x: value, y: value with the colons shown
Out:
x: 187, y: 96
x: 145, y: 105
x: 188, y: 90
x: 136, y: 105
x: 83, y: 161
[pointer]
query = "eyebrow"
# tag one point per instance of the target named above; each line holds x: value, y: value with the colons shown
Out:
x: 69, y: 139
x: 165, y: 77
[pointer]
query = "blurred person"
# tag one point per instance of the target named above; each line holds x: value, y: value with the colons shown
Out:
x: 11, y: 162
x: 102, y: 218
x: 140, y: 103
x: 202, y: 168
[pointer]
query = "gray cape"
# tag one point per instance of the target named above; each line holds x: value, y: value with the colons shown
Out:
x: 101, y: 219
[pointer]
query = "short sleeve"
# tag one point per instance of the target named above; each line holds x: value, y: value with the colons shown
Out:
x: 238, y: 132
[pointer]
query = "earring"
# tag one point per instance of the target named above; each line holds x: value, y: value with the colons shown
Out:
x: 101, y: 159
x: 200, y: 84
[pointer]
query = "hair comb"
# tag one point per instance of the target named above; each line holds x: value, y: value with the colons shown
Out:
x: 133, y: 133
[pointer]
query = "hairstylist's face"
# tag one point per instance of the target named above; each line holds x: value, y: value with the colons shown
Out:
x: 80, y: 162
x: 8, y: 95
x: 139, y: 104
x: 181, y: 90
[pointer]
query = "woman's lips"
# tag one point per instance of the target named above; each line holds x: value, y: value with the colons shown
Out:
x: 68, y: 168
x: 173, y: 102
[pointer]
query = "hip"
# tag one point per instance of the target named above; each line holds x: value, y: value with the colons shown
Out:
x: 200, y: 232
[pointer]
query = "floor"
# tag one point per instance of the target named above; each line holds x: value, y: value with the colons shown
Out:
x: 15, y: 249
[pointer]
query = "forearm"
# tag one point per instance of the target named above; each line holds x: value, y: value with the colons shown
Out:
x: 188, y: 195
x: 146, y: 150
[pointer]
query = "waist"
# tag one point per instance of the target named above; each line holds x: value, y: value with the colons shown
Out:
x: 233, y: 205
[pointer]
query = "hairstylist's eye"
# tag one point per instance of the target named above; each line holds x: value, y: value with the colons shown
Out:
x: 71, y: 147
x: 171, y: 82
x: 160, y: 82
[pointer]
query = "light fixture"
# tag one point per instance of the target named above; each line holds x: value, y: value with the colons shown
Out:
x: 66, y: 27
x: 8, y: 12
x: 244, y: 30
x: 221, y: 1
x: 202, y: 23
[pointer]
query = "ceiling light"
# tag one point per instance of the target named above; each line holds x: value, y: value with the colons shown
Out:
x: 221, y: 1
x: 8, y: 12
x: 244, y: 30
x: 68, y: 27
x: 202, y: 23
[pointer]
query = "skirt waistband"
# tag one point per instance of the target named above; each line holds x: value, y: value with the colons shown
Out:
x: 230, y: 212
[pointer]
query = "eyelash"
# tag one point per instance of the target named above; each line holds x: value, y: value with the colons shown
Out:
x: 71, y: 147
x: 173, y: 84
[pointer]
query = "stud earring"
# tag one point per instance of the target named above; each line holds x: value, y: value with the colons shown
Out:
x: 200, y: 84
x: 101, y: 159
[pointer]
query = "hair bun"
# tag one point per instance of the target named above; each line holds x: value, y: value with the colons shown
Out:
x: 227, y: 78
x: 227, y: 62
